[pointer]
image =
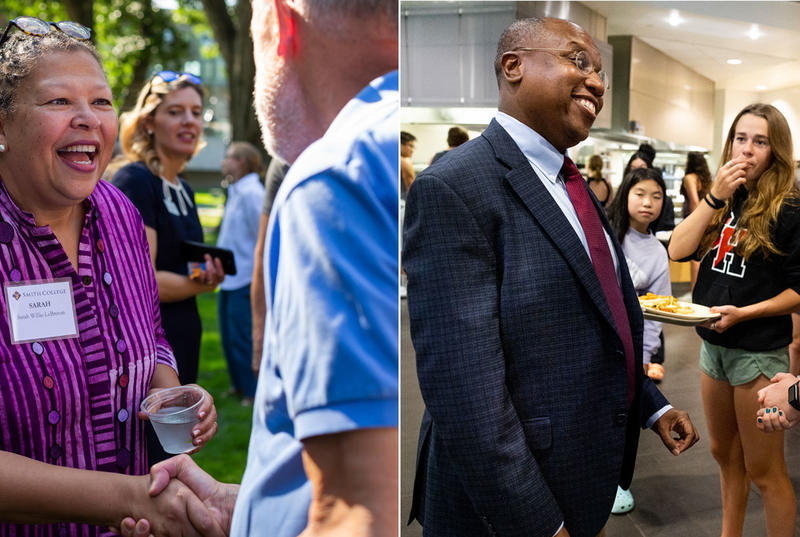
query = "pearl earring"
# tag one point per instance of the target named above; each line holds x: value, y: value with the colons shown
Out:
x: 2, y: 148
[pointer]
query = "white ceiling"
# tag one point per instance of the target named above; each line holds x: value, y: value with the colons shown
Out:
x: 713, y: 32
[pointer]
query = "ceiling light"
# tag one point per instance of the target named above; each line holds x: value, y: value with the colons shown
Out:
x: 761, y: 87
x: 734, y: 61
x: 674, y: 18
x: 754, y: 33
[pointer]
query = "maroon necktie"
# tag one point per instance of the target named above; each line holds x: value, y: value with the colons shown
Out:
x: 602, y: 261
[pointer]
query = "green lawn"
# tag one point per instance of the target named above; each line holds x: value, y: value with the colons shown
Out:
x: 226, y: 454
x: 210, y: 204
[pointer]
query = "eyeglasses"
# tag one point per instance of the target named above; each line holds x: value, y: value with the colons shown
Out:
x: 37, y: 27
x: 172, y: 76
x: 580, y: 58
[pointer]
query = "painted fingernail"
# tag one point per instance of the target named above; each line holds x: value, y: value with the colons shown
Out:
x: 767, y: 411
x: 780, y: 413
x: 202, y: 414
x: 774, y: 409
x: 195, y: 432
x: 760, y: 420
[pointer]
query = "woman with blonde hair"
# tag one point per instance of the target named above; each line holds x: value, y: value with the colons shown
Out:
x: 158, y: 137
x: 746, y: 235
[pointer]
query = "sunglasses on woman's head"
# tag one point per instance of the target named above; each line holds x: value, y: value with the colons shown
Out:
x: 172, y: 76
x: 37, y: 27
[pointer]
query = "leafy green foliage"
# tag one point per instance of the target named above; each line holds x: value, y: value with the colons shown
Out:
x: 131, y: 36
x: 136, y: 38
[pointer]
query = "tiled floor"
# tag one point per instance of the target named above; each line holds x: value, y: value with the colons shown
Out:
x: 675, y: 496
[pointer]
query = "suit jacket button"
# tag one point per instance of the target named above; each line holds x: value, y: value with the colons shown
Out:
x: 621, y: 419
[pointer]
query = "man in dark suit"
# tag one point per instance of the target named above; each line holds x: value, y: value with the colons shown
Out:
x: 526, y: 356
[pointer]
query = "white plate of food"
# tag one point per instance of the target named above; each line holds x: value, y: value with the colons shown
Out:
x: 668, y: 309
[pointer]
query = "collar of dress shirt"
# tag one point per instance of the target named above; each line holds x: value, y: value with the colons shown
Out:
x: 545, y: 159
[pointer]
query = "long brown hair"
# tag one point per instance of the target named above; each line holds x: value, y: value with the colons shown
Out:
x: 775, y: 186
x: 595, y: 167
x: 696, y: 164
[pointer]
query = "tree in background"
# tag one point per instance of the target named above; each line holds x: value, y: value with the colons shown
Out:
x: 133, y: 36
x: 231, y: 27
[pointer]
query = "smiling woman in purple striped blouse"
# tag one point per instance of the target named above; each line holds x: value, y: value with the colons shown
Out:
x: 81, y: 342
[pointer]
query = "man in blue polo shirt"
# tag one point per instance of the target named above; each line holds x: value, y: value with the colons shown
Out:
x: 323, y: 450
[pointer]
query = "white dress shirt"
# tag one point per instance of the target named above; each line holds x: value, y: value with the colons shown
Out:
x: 239, y: 229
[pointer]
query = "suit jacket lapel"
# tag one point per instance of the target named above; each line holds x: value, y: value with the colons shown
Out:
x: 534, y: 195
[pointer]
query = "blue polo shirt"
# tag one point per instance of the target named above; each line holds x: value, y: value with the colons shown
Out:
x: 330, y: 359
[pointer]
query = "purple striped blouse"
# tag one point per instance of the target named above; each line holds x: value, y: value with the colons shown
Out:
x: 73, y: 402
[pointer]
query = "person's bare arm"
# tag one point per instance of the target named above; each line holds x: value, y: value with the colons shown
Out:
x: 354, y: 480
x: 218, y: 498
x: 687, y: 235
x: 794, y: 346
x: 690, y: 187
x: 164, y: 377
x: 407, y: 173
x: 258, y: 302
x: 34, y: 492
x: 173, y: 287
x: 784, y: 303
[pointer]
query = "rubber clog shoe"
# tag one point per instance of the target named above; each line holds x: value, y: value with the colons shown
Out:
x: 655, y: 372
x: 623, y: 503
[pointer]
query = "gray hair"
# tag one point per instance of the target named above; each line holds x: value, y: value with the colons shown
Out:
x: 20, y: 55
x: 520, y: 33
x: 324, y: 10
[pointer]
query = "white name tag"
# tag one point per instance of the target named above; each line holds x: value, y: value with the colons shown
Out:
x: 40, y: 311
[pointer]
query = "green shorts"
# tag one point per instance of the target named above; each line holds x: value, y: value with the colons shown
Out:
x: 738, y: 366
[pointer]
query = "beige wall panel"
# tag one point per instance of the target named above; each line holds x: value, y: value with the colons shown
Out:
x: 787, y: 100
x: 676, y: 124
x: 649, y: 71
x: 668, y: 99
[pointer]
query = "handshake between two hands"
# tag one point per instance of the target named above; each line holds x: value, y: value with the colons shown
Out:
x: 180, y: 499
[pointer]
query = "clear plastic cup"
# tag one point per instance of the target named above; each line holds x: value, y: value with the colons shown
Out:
x: 173, y: 413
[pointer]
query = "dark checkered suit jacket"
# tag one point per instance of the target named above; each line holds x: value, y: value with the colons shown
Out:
x: 520, y: 366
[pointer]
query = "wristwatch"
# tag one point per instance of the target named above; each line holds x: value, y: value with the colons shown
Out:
x: 793, y: 395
